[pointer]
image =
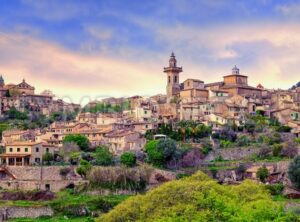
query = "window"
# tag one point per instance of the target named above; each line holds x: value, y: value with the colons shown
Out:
x: 11, y: 150
x: 37, y: 160
x: 18, y: 149
x: 145, y: 112
x: 26, y: 149
x: 37, y: 149
x: 169, y: 79
x: 175, y: 79
x: 47, y: 150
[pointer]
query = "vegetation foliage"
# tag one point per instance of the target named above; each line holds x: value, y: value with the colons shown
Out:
x: 198, y: 198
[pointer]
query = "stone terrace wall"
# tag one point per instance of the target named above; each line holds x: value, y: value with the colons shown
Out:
x: 232, y: 153
x: 24, y: 212
x: 37, y: 177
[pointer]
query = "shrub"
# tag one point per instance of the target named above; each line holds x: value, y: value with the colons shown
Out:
x: 48, y: 157
x: 275, y: 189
x: 283, y: 129
x: 297, y: 140
x: 272, y: 139
x: 243, y: 141
x: 294, y: 172
x: 128, y: 159
x: 289, y: 150
x: 199, y: 198
x: 103, y: 157
x: 84, y: 168
x: 277, y: 148
x: 264, y: 152
x: 262, y: 174
x: 64, y: 171
x: 119, y: 177
x: 225, y: 143
x: 81, y: 140
x: 206, y: 147
x: 159, y: 152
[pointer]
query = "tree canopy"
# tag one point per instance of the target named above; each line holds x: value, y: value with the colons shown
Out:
x: 81, y: 140
x: 199, y: 198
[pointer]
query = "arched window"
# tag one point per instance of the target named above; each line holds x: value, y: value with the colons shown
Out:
x: 175, y: 79
x: 169, y: 79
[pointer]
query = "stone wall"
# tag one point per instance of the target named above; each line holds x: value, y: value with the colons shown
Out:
x: 232, y: 153
x: 39, y: 178
x: 24, y: 212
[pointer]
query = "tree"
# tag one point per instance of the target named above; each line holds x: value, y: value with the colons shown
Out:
x: 160, y: 151
x: 128, y: 159
x: 81, y: 140
x: 294, y: 172
x: 262, y: 173
x: 48, y: 157
x: 103, y: 157
x: 84, y: 168
x: 199, y: 198
x: 67, y: 149
x: 289, y: 150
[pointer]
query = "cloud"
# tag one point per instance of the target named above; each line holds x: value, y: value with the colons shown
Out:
x: 49, y: 66
x: 55, y: 10
x: 269, y: 52
x: 290, y: 9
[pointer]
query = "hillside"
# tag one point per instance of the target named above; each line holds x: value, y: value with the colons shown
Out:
x: 199, y: 198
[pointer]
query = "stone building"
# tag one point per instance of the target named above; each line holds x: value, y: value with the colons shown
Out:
x: 24, y: 153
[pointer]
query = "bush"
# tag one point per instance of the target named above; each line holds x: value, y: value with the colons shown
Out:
x: 243, y: 141
x: 199, y: 198
x: 128, y: 159
x: 262, y: 174
x: 294, y: 172
x: 103, y: 157
x: 264, y: 152
x: 159, y: 152
x: 48, y: 157
x: 272, y: 139
x: 119, y: 177
x: 225, y: 143
x: 81, y: 140
x: 275, y: 189
x: 289, y: 150
x: 64, y: 171
x: 84, y: 168
x: 277, y: 148
x: 283, y: 129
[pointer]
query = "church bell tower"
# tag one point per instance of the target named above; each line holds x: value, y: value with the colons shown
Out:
x: 173, y: 86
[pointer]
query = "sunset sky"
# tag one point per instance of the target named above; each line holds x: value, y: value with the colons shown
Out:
x: 92, y: 49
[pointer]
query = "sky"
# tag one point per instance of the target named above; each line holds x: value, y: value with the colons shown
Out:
x: 87, y: 50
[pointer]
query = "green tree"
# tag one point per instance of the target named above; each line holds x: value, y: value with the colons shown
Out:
x: 294, y: 172
x: 81, y: 140
x: 262, y: 173
x: 159, y: 152
x: 103, y: 157
x: 48, y: 157
x: 84, y: 168
x: 199, y: 198
x: 128, y: 159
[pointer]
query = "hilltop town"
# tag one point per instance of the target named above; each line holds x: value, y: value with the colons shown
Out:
x: 228, y: 129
